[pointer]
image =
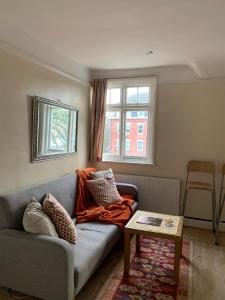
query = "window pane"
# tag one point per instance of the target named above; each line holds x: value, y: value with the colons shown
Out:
x: 111, y: 145
x: 59, y: 127
x: 113, y: 96
x: 137, y: 135
x: 108, y: 96
x: 131, y: 95
x: 143, y: 94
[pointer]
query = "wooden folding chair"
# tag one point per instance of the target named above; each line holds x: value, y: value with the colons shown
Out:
x: 222, y: 195
x: 201, y: 167
x: 221, y: 202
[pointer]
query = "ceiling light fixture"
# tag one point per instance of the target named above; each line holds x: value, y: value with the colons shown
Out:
x: 149, y: 52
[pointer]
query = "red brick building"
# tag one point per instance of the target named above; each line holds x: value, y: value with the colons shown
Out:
x: 136, y: 135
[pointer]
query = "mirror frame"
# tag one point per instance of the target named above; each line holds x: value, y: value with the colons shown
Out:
x: 34, y: 139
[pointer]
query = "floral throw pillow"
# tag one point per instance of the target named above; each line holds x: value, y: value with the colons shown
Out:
x: 104, y: 191
x: 60, y: 218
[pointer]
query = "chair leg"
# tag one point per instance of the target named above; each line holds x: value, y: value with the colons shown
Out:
x: 214, y: 217
x: 220, y: 209
x: 217, y: 234
x: 184, y: 202
x: 217, y: 228
x: 220, y: 201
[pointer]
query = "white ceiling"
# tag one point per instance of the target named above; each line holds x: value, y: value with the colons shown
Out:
x: 103, y: 34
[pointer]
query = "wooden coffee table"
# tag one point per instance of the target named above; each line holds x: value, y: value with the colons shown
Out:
x: 162, y: 231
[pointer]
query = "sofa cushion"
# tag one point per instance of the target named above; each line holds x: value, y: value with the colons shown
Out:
x: 94, y: 242
x: 12, y: 206
x: 35, y: 220
x: 59, y: 216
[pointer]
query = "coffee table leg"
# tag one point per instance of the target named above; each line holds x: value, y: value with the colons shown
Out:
x: 181, y: 247
x: 178, y: 249
x: 138, y: 242
x: 126, y: 252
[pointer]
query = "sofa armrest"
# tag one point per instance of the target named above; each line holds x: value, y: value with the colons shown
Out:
x: 127, y: 189
x: 37, y: 265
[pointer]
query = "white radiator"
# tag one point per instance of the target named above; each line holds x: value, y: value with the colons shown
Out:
x: 160, y: 195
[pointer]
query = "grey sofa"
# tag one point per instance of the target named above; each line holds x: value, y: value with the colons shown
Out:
x: 47, y: 267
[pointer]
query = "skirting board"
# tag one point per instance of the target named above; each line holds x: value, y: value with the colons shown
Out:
x: 202, y: 224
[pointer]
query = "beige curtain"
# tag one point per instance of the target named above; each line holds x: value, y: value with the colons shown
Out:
x: 98, y: 95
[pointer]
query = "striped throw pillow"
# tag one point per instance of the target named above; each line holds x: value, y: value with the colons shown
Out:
x: 60, y: 218
x: 104, y: 191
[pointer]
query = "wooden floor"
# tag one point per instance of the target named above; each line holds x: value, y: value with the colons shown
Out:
x: 208, y: 279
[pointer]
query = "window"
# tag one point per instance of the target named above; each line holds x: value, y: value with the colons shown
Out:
x: 136, y: 95
x: 137, y: 114
x: 117, y: 127
x: 127, y: 145
x: 130, y: 108
x: 112, y: 118
x: 128, y: 127
x: 117, y: 145
x: 113, y: 96
x: 140, y: 145
x: 140, y: 128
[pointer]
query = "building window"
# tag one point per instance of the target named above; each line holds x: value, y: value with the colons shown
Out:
x: 127, y: 145
x: 140, y: 128
x: 117, y: 145
x: 128, y: 127
x: 117, y: 127
x: 140, y: 145
x: 130, y: 107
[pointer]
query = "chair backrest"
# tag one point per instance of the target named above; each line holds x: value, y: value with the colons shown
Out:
x: 201, y: 166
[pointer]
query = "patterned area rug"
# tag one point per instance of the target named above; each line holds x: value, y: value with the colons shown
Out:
x: 151, y: 274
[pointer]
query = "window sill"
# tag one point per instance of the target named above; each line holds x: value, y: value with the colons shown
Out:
x: 129, y: 162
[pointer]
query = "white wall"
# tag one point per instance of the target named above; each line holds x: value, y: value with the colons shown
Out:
x: 19, y: 81
x: 190, y: 124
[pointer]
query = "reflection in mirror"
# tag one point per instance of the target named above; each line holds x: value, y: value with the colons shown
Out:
x: 54, y: 129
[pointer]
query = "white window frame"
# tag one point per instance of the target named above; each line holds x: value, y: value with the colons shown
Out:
x: 123, y: 107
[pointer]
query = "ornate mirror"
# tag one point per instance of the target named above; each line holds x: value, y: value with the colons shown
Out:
x: 54, y: 132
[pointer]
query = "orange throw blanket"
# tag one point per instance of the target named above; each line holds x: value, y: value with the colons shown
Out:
x: 87, y: 210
